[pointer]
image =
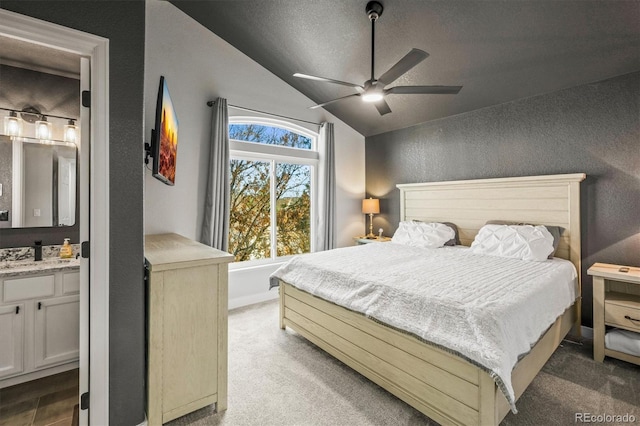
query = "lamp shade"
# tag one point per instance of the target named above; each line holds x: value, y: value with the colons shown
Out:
x: 371, y: 206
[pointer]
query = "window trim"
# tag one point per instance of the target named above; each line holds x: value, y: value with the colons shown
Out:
x: 285, y: 125
x: 271, y: 150
x: 274, y: 154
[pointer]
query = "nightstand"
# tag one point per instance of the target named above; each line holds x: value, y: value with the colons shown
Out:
x: 616, y: 303
x: 365, y: 240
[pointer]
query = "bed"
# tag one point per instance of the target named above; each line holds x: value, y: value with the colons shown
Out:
x: 443, y: 385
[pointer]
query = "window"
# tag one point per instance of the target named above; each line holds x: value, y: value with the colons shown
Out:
x: 272, y: 177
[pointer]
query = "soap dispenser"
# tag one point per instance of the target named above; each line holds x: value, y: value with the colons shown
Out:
x: 66, y: 251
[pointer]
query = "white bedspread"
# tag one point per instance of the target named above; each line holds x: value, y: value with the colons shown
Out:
x: 489, y: 309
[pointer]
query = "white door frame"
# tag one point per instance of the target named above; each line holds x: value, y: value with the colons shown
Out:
x: 96, y: 229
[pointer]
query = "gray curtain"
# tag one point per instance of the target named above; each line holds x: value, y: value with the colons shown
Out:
x: 327, y: 191
x: 215, y: 226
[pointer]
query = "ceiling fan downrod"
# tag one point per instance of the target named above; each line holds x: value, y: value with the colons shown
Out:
x: 374, y: 11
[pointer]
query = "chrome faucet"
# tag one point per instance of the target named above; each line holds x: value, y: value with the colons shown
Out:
x: 37, y: 254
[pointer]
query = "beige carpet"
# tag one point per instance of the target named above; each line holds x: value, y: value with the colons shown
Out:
x: 276, y: 377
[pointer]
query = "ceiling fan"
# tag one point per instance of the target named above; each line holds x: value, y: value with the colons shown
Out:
x: 373, y: 90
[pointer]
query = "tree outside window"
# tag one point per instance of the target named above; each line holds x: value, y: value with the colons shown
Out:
x: 270, y: 198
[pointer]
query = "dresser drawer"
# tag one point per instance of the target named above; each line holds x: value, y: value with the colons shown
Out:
x: 622, y: 315
x: 28, y: 288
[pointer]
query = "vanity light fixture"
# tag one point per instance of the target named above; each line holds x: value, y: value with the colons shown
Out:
x: 43, y: 129
x: 19, y: 121
x: 71, y: 132
x: 12, y: 124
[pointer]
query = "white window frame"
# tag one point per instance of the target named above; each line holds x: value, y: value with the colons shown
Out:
x: 273, y: 154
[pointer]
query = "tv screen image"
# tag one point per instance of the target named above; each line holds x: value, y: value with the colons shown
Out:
x: 165, y: 146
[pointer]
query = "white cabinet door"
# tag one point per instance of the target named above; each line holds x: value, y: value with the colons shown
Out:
x: 57, y: 330
x: 11, y: 339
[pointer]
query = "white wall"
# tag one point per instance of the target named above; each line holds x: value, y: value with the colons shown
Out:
x: 199, y: 66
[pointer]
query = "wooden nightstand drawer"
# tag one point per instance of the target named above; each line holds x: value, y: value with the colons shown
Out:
x: 622, y: 313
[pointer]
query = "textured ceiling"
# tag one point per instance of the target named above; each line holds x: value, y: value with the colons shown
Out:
x: 41, y: 77
x: 498, y: 50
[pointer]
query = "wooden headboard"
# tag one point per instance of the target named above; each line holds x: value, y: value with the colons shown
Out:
x: 540, y: 200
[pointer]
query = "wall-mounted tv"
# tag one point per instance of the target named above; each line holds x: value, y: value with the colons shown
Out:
x: 164, y: 138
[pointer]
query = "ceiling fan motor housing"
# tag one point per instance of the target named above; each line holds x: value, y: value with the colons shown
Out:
x: 374, y: 10
x: 372, y: 85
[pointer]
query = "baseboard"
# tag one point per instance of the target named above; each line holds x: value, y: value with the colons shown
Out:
x: 239, y: 302
x: 144, y: 422
x: 38, y: 374
x: 587, y: 332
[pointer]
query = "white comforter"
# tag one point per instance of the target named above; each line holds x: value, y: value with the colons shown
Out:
x: 488, y: 309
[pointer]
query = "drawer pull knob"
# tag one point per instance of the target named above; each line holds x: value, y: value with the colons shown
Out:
x: 631, y: 319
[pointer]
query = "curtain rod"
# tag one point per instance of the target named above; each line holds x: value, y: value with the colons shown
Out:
x: 211, y: 103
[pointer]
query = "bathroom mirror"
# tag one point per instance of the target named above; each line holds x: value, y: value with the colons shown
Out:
x: 38, y: 183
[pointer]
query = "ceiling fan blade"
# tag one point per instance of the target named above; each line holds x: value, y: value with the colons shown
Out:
x: 329, y: 80
x: 382, y: 107
x: 409, y: 61
x: 334, y: 100
x: 432, y: 90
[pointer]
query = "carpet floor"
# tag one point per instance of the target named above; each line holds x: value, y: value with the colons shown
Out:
x: 276, y: 377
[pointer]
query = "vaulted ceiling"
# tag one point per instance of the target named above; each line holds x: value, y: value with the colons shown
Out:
x: 499, y: 51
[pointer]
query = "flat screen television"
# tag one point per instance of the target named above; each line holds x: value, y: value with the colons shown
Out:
x: 164, y: 138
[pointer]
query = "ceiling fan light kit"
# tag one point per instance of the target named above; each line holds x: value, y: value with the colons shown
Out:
x: 373, y: 90
x: 372, y: 93
x: 372, y: 97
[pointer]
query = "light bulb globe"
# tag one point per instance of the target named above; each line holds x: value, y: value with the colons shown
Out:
x: 372, y: 96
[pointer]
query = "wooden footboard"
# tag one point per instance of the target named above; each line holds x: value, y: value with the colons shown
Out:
x: 443, y: 386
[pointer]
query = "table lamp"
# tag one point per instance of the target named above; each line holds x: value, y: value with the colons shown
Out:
x: 370, y: 206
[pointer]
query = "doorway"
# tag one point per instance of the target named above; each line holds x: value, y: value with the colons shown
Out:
x: 93, y: 150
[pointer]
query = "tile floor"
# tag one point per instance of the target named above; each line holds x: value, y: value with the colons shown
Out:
x: 44, y: 402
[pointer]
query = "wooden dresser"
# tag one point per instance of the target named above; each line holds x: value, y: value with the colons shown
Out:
x: 187, y: 292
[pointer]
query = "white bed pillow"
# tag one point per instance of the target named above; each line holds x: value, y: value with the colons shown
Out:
x: 423, y: 234
x: 526, y: 242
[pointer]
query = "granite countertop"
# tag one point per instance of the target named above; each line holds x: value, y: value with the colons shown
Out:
x: 12, y: 268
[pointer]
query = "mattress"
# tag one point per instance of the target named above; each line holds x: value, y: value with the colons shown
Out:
x: 489, y: 310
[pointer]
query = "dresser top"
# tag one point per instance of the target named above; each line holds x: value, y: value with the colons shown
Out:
x: 170, y: 251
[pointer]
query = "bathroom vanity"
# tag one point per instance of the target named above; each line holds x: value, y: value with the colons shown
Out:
x: 39, y: 318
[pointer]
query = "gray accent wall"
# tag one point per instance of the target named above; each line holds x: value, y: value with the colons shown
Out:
x: 593, y: 129
x: 123, y: 24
